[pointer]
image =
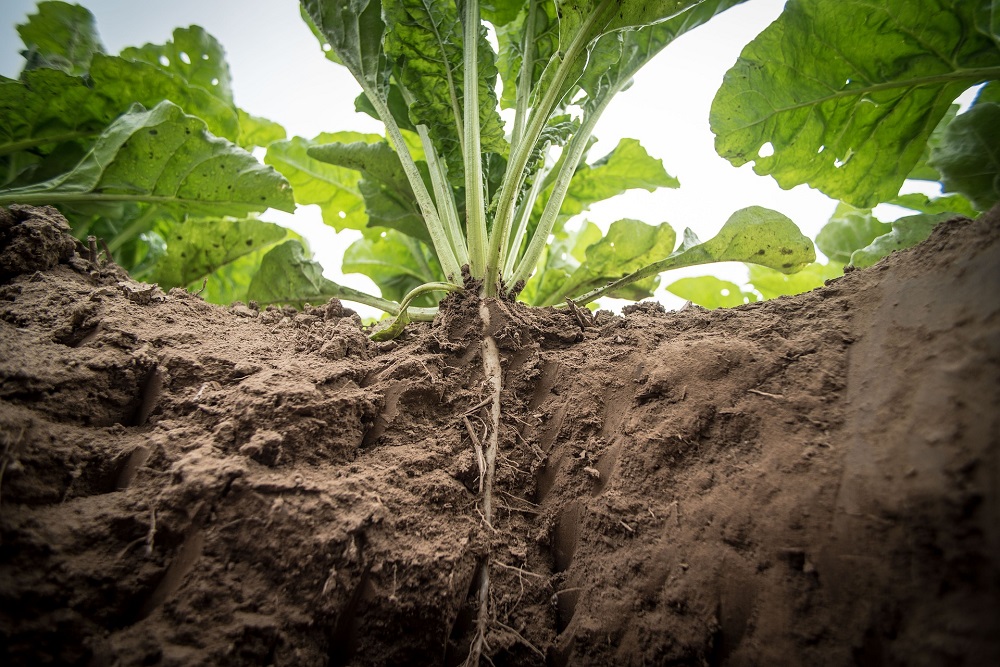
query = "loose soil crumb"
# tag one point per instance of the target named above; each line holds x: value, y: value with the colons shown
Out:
x: 810, y: 480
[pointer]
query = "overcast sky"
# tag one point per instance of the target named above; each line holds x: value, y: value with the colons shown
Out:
x: 279, y: 72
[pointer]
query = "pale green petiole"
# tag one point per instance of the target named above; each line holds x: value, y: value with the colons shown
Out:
x: 403, y: 318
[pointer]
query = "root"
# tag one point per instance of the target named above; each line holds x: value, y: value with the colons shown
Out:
x: 493, y: 374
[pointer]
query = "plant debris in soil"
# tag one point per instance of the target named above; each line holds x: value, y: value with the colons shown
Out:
x: 810, y: 480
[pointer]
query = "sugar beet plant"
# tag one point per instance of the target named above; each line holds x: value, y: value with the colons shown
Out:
x: 494, y: 200
x: 447, y: 187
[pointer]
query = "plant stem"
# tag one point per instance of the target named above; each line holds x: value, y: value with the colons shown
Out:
x: 442, y: 190
x: 574, y: 153
x: 690, y: 257
x: 403, y: 318
x: 527, y: 70
x: 435, y: 228
x: 475, y: 211
x: 140, y: 224
x: 525, y: 209
x: 514, y: 177
x: 15, y: 146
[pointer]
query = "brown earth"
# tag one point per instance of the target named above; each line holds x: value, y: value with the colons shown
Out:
x: 807, y: 481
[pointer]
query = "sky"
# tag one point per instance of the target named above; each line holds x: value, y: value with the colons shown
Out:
x: 280, y: 73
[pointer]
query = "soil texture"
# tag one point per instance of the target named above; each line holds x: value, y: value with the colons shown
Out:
x: 806, y: 481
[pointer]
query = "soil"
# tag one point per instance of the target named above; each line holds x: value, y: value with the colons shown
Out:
x: 806, y: 481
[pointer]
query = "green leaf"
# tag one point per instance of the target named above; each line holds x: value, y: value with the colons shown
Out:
x: 558, y: 261
x: 772, y: 284
x: 922, y: 171
x: 49, y: 111
x: 165, y: 157
x: 230, y: 282
x: 988, y: 93
x: 61, y: 36
x: 628, y: 246
x: 334, y: 189
x: 193, y: 55
x: 424, y: 38
x: 353, y: 30
x: 968, y: 156
x: 755, y: 235
x: 398, y: 107
x: 847, y: 93
x: 627, y: 167
x: 906, y: 233
x: 710, y: 292
x: 199, y: 248
x: 287, y: 275
x: 510, y: 38
x: 129, y: 81
x: 952, y: 204
x: 760, y: 236
x: 389, y: 199
x: 848, y: 230
x: 500, y: 12
x: 395, y: 262
x: 256, y: 131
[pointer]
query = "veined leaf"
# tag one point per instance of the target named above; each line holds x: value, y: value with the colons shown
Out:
x: 755, y: 235
x: 198, y: 248
x: 287, y: 275
x: 230, y: 282
x: 848, y: 230
x: 334, y: 189
x: 953, y: 204
x: 772, y: 284
x: 989, y: 93
x: 424, y: 37
x: 396, y: 263
x: 759, y: 236
x: 128, y: 81
x: 627, y: 167
x: 922, y: 171
x: 968, y: 156
x: 628, y: 246
x: 906, y: 233
x: 194, y: 55
x: 500, y: 12
x: 256, y: 131
x: 353, y: 30
x: 60, y: 36
x: 48, y: 110
x: 398, y: 107
x: 847, y: 93
x: 711, y: 292
x: 544, y: 42
x: 389, y: 199
x: 165, y: 157
x: 559, y: 260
